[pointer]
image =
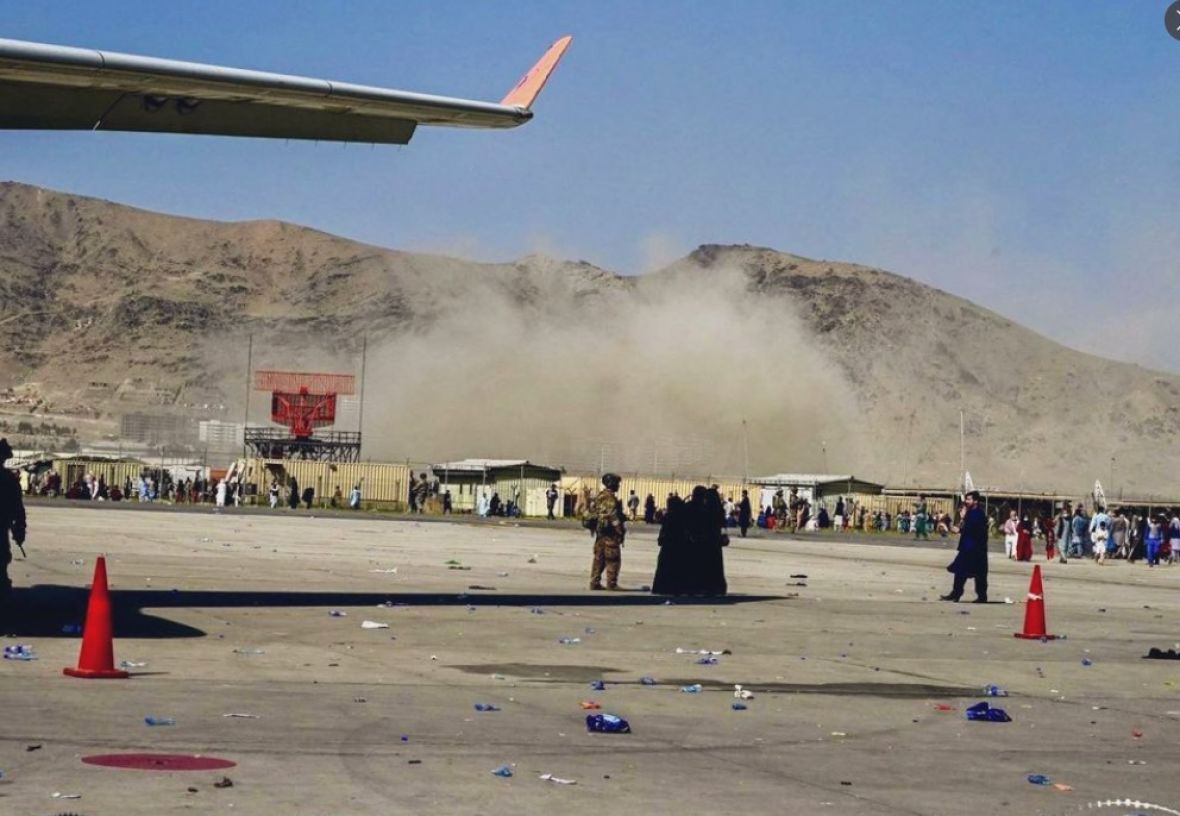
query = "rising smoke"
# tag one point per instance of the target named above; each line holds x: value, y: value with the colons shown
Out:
x: 654, y: 374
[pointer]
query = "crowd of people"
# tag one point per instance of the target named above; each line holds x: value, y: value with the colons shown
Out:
x: 1104, y: 535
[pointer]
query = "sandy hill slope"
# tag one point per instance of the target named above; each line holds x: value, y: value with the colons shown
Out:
x: 830, y: 366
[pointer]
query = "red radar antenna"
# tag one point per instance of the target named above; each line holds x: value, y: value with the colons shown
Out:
x: 303, y: 403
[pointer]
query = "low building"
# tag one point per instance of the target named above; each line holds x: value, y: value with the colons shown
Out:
x: 817, y: 488
x: 517, y: 480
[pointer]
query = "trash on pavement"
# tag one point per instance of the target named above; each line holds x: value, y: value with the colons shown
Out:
x: 607, y: 724
x: 983, y: 712
x: 994, y: 691
x: 590, y: 705
x: 238, y: 716
x: 557, y: 780
x: 338, y: 613
x: 486, y: 707
x: 504, y: 771
x: 1039, y: 779
x: 695, y: 688
x: 598, y: 685
x: 373, y: 625
x: 224, y: 782
x: 739, y: 706
x: 569, y: 641
x: 1159, y: 654
x: 742, y: 694
x: 647, y: 681
x: 21, y: 652
x: 159, y: 721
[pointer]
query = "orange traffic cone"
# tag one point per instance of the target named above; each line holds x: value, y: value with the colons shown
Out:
x: 1034, y: 611
x: 97, y: 659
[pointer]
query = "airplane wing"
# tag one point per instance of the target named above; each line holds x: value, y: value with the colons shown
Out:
x: 53, y: 87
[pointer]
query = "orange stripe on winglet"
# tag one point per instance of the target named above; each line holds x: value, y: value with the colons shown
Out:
x: 526, y: 91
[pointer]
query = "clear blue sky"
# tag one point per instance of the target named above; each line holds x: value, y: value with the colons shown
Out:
x: 1022, y: 154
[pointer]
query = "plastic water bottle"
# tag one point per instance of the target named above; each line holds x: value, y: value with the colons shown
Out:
x: 607, y: 724
x: 486, y: 707
x: 159, y: 721
x: 1039, y: 779
x: 504, y: 771
x: 994, y: 691
x: 22, y: 652
x: 695, y: 688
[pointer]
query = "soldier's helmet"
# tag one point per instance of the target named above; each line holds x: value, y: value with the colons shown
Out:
x: 5, y: 451
x: 611, y: 481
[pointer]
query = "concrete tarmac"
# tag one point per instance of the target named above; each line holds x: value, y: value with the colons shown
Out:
x: 234, y: 614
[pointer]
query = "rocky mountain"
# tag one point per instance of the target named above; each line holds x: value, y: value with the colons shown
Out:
x: 734, y: 357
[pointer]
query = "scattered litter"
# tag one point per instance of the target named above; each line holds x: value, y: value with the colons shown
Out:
x: 1136, y: 762
x: 392, y: 571
x: 130, y: 664
x: 557, y: 780
x: 1062, y: 787
x: 504, y: 771
x: 598, y: 685
x: 647, y: 681
x: 983, y: 712
x: 249, y: 651
x: 742, y: 694
x: 695, y: 688
x: 707, y: 661
x: 739, y: 706
x: 1159, y: 654
x: 994, y: 691
x: 839, y: 734
x: 536, y: 610
x: 463, y: 569
x: 239, y: 716
x: 944, y: 707
x: 481, y: 586
x: 224, y: 782
x: 1087, y: 661
x: 373, y: 625
x: 1039, y: 779
x: 337, y: 613
x: 501, y: 575
x: 159, y: 721
x: 713, y: 652
x: 607, y: 724
x: 1009, y: 601
x: 77, y: 562
x: 413, y: 762
x: 31, y: 748
x: 21, y: 652
x: 59, y: 795
x: 569, y: 641
x: 533, y: 559
x: 1136, y: 733
x: 486, y: 707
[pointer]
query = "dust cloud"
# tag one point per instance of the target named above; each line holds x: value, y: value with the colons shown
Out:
x: 652, y: 375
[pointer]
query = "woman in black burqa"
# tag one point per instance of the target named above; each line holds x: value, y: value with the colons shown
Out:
x: 690, y: 560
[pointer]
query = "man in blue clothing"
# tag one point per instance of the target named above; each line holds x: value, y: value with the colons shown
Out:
x: 1079, y: 532
x: 971, y: 560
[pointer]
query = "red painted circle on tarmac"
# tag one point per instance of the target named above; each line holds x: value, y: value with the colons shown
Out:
x: 159, y: 762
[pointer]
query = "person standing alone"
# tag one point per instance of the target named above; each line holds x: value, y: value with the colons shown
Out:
x: 744, y: 513
x: 12, y: 516
x: 971, y: 560
x: 610, y: 528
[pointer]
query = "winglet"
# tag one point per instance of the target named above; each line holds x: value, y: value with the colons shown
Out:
x: 526, y: 91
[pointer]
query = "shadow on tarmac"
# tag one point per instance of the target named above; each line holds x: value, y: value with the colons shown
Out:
x: 44, y: 610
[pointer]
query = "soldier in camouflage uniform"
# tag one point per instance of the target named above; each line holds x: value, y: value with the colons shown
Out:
x: 610, y: 528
